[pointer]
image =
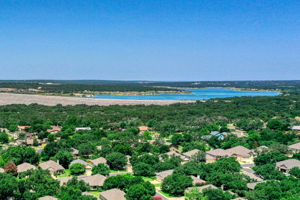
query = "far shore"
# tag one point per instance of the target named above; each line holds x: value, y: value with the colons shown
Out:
x: 11, y: 98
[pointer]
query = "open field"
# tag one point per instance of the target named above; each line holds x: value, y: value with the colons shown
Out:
x: 8, y: 98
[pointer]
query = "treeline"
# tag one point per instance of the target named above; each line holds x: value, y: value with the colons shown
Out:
x: 246, y: 111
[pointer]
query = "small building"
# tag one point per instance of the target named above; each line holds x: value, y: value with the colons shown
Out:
x: 217, y: 153
x: 25, y: 167
x: 142, y: 129
x: 295, y: 148
x: 94, y: 181
x: 64, y: 180
x: 240, y: 153
x: 82, y: 129
x: 48, y: 198
x: 286, y: 165
x: 112, y: 194
x: 174, y: 153
x: 54, y: 129
x: 238, y: 134
x: 98, y: 161
x: 252, y: 176
x: 52, y: 166
x: 251, y: 186
x: 220, y: 136
x: 198, y: 181
x: 23, y: 128
x: 191, y: 153
x: 74, y: 152
x: 87, y: 166
x: 160, y: 176
x: 295, y: 128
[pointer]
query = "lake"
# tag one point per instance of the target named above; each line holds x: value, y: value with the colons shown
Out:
x: 197, y: 94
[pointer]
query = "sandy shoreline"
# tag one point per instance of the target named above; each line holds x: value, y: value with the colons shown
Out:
x: 10, y: 98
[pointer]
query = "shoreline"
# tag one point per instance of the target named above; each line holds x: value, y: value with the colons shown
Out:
x: 11, y: 98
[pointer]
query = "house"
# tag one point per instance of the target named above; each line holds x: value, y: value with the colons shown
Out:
x: 94, y: 181
x: 25, y: 167
x: 87, y: 166
x: 112, y: 194
x: 220, y: 136
x: 217, y: 153
x: 52, y: 166
x: 295, y: 148
x: 198, y: 181
x: 238, y: 134
x: 296, y: 128
x: 97, y: 161
x: 64, y: 180
x: 241, y: 153
x: 142, y: 129
x: 201, y: 188
x: 252, y: 176
x: 82, y: 129
x: 48, y: 198
x: 22, y: 128
x: 74, y: 152
x: 54, y: 129
x: 174, y: 153
x: 191, y: 153
x: 160, y: 176
x: 286, y: 165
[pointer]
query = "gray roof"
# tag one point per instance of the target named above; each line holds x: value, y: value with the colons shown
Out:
x: 94, y: 180
x: 162, y: 175
x: 201, y: 188
x: 80, y: 162
x: 288, y: 164
x: 98, y: 161
x: 113, y: 194
x: 51, y: 166
x: 296, y: 128
x: 252, y: 176
x: 24, y: 167
x: 295, y: 146
x: 48, y: 198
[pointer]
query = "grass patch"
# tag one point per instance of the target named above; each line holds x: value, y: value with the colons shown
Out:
x: 66, y: 174
x: 166, y: 194
x: 117, y: 171
x: 149, y: 178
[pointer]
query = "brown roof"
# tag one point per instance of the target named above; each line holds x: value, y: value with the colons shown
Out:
x: 98, y: 161
x: 162, y: 175
x: 51, y: 166
x: 295, y: 146
x: 197, y: 180
x: 217, y: 153
x: 251, y: 186
x: 189, y: 154
x: 239, y: 151
x: 54, y: 129
x: 24, y: 167
x: 48, y: 198
x: 113, y: 194
x: 201, y: 188
x: 288, y: 164
x: 252, y: 176
x: 143, y: 128
x: 174, y: 153
x: 94, y: 180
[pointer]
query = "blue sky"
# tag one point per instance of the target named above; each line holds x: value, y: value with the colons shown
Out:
x: 150, y: 39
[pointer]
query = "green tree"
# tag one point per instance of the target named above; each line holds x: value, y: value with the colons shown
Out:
x: 295, y: 172
x: 8, y: 186
x: 176, y: 184
x: 143, y: 169
x: 3, y: 138
x: 20, y: 154
x: 86, y: 149
x: 77, y: 169
x: 216, y: 194
x: 116, y: 160
x: 64, y: 157
x: 100, y: 169
x: 140, y: 192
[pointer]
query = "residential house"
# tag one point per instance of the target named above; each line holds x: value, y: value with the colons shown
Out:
x: 48, y: 198
x: 160, y: 176
x: 251, y: 186
x: 87, y: 166
x: 82, y: 129
x: 112, y: 194
x: 74, y: 152
x: 215, y: 154
x: 241, y: 154
x: 54, y: 129
x: 286, y: 165
x: 252, y: 176
x: 52, y: 166
x: 97, y: 161
x: 198, y: 181
x: 142, y: 129
x: 295, y: 148
x: 25, y: 167
x: 220, y: 136
x: 238, y: 134
x: 94, y: 181
x: 23, y: 128
x: 64, y: 180
x: 174, y: 153
x: 295, y: 128
x: 191, y: 153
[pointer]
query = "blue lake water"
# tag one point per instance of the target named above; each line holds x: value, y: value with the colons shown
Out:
x: 197, y: 94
